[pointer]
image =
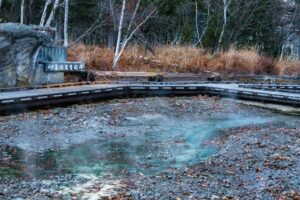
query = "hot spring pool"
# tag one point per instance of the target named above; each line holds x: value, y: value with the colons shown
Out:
x: 171, y: 142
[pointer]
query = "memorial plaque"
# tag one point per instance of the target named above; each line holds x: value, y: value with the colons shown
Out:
x: 64, y: 67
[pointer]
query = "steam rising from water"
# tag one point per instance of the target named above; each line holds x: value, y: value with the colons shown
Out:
x: 165, y: 142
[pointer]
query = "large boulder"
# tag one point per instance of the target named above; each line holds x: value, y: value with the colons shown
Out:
x: 19, y: 45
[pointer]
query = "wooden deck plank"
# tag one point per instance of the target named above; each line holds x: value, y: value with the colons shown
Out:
x: 236, y: 87
x: 46, y: 95
x: 51, y: 91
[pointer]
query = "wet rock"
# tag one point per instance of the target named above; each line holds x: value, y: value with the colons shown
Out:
x: 157, y: 78
x: 214, y: 77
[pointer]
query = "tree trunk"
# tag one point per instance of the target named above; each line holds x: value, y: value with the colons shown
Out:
x: 121, y: 44
x: 226, y: 4
x: 116, y: 57
x: 196, y: 20
x: 128, y: 38
x: 206, y: 26
x: 132, y: 18
x: 288, y: 33
x: 110, y: 39
x: 66, y: 43
x: 44, y: 15
x: 52, y: 14
x: 0, y: 3
x: 22, y: 12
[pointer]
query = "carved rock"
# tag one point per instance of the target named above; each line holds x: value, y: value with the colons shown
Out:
x: 19, y: 45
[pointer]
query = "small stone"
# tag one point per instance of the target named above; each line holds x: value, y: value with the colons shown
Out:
x: 44, y: 191
x: 186, y: 193
x: 215, y: 197
x: 127, y: 194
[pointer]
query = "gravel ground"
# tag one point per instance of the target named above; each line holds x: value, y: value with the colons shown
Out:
x: 254, y: 162
x: 61, y: 128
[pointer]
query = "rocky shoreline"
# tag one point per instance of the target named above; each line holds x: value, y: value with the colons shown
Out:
x: 254, y: 161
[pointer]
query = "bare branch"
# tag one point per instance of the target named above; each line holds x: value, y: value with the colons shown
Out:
x: 52, y: 14
x: 44, y: 15
x: 133, y: 16
x: 91, y: 29
x: 113, y: 13
x: 133, y: 32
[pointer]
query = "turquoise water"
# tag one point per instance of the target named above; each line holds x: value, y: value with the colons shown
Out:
x: 169, y: 143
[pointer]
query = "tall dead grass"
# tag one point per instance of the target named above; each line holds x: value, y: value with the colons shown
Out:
x: 184, y: 59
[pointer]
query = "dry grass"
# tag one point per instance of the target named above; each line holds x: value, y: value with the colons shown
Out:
x: 289, y: 67
x: 184, y: 59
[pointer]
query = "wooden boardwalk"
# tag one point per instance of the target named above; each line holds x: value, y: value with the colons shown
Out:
x: 32, y: 98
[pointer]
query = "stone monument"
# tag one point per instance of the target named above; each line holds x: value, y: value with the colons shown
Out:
x: 19, y: 46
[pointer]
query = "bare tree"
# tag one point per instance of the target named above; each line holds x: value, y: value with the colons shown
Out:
x: 288, y: 30
x: 242, y: 13
x: 22, y: 12
x: 66, y: 19
x: 91, y: 29
x: 117, y: 52
x: 44, y: 15
x: 196, y: 20
x: 122, y: 42
x: 208, y: 18
x: 226, y: 4
x: 52, y: 14
x: 112, y: 30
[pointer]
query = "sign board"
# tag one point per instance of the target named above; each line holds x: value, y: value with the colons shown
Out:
x: 63, y: 66
x: 54, y: 59
x: 52, y: 54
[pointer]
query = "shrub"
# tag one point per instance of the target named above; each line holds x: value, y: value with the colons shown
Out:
x: 184, y: 59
